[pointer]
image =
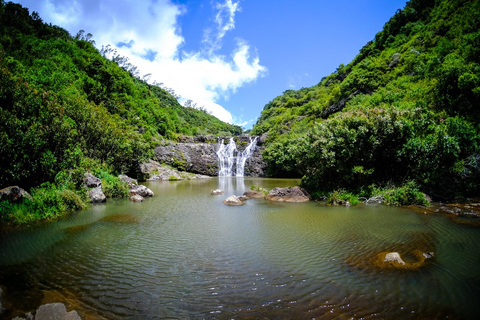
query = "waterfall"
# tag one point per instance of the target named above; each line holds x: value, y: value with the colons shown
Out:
x: 244, y: 155
x: 228, y: 156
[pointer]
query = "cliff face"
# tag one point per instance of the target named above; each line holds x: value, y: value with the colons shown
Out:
x: 201, y: 157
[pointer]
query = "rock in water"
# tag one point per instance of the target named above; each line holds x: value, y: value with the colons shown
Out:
x: 136, y: 198
x: 96, y: 195
x: 141, y: 190
x: 55, y: 311
x: 216, y: 192
x: 295, y: 194
x: 253, y: 194
x: 233, y: 201
x: 394, y: 257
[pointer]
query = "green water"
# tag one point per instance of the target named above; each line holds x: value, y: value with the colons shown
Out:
x: 184, y: 254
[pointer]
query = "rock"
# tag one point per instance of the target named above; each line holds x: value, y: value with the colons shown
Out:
x: 201, y: 158
x: 96, y: 195
x: 243, y: 198
x: 233, y: 201
x: 295, y: 194
x: 217, y: 192
x: 131, y: 182
x: 14, y: 194
x: 90, y: 181
x: 141, y: 190
x: 155, y: 171
x: 136, y: 198
x: 394, y: 257
x: 254, y: 194
x: 55, y: 311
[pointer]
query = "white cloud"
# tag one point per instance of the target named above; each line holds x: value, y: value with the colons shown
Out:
x: 151, y: 38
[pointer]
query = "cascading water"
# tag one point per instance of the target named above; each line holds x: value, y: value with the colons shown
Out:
x: 244, y: 155
x: 228, y: 156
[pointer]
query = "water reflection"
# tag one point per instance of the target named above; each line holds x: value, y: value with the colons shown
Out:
x: 184, y: 254
x: 232, y: 185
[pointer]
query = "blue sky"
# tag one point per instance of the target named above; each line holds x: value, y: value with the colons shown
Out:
x: 229, y: 56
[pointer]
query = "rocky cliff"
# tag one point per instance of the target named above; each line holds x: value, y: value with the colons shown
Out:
x: 198, y: 155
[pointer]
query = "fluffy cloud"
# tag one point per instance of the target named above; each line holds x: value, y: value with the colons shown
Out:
x: 149, y: 34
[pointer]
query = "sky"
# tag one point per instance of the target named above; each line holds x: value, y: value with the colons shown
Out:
x: 230, y: 57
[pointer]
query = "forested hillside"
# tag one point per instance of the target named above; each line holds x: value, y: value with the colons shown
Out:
x: 404, y: 112
x: 64, y: 104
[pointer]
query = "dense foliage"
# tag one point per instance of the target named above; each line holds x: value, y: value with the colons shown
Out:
x: 62, y: 102
x: 405, y: 110
x: 65, y: 108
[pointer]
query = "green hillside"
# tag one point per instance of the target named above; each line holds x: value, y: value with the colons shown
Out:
x: 63, y: 104
x: 404, y: 112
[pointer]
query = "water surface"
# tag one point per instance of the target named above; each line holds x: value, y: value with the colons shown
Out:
x: 184, y: 254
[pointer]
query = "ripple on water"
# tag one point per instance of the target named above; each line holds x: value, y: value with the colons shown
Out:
x: 185, y: 255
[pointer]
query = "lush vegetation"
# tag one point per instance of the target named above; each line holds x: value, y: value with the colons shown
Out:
x: 404, y: 114
x: 65, y: 108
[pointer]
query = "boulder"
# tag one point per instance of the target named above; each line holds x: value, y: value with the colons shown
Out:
x: 14, y: 194
x: 243, y: 198
x: 136, y: 198
x: 217, y: 192
x: 295, y: 194
x: 233, y: 201
x: 131, y: 182
x: 90, y: 181
x: 141, y: 190
x: 55, y: 311
x: 96, y: 195
x: 254, y: 194
x: 393, y: 260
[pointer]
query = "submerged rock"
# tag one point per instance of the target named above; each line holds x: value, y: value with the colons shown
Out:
x: 388, y: 260
x: 96, y: 195
x: 393, y: 257
x: 55, y: 311
x: 217, y: 192
x: 136, y: 198
x: 295, y: 194
x: 233, y: 201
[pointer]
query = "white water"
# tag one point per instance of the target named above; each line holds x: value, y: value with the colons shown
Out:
x: 228, y: 155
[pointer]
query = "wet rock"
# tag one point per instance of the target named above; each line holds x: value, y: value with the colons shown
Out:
x: 136, y: 198
x: 394, y: 257
x: 254, y: 194
x: 55, y: 311
x: 217, y: 192
x: 14, y: 194
x: 295, y: 194
x: 389, y: 260
x: 130, y: 181
x: 141, y: 190
x: 90, y: 181
x: 96, y: 195
x: 243, y: 198
x: 233, y: 201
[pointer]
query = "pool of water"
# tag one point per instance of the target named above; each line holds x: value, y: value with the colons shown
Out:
x: 184, y: 254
